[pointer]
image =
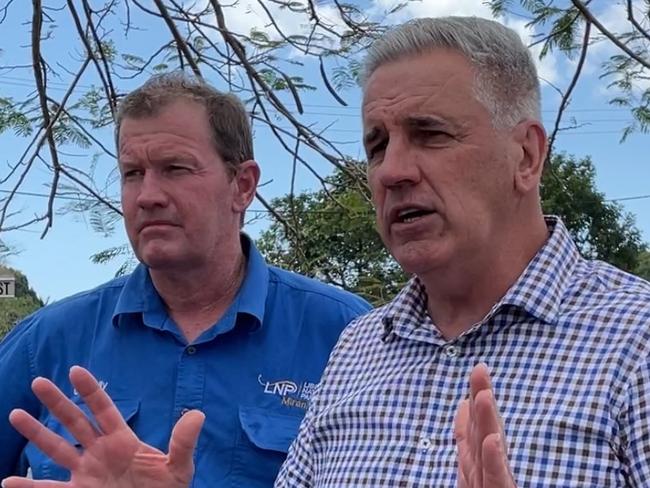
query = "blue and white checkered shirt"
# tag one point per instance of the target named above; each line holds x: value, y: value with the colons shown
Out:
x: 568, y: 349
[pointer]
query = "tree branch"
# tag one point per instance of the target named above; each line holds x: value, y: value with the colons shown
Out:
x: 615, y: 40
x: 567, y: 95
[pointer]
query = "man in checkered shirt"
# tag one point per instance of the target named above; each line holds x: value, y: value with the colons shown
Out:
x: 455, y: 154
x: 456, y: 147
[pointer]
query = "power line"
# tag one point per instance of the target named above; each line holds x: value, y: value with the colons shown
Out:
x: 87, y: 199
x: 623, y: 199
x: 60, y: 86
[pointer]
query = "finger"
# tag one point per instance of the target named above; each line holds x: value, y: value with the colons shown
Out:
x: 461, y: 423
x: 17, y: 482
x: 53, y: 445
x: 106, y: 414
x: 462, y: 481
x: 487, y: 420
x: 479, y: 379
x: 183, y: 443
x: 461, y: 426
x: 479, y: 386
x: 70, y: 415
x: 496, y: 470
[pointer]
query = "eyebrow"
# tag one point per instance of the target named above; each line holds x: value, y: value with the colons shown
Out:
x: 419, y: 121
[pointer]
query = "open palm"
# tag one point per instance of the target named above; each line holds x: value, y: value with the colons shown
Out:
x: 113, y: 456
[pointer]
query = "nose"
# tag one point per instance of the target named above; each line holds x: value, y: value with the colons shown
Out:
x: 398, y: 168
x: 151, y: 192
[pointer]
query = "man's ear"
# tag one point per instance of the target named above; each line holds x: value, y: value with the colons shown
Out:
x: 530, y: 138
x: 246, y: 179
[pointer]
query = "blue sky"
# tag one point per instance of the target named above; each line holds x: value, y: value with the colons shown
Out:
x: 59, y: 265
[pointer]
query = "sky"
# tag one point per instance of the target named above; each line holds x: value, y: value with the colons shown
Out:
x: 59, y: 265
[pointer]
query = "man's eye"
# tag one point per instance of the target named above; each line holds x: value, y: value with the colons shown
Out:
x: 132, y: 173
x: 432, y: 135
x: 376, y: 151
x: 177, y: 169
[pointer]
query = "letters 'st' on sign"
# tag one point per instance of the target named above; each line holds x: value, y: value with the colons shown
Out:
x: 7, y: 286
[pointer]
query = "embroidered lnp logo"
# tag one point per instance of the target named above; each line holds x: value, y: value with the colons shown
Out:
x: 102, y: 384
x: 280, y: 388
x: 292, y: 394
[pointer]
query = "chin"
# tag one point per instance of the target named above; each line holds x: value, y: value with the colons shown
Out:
x: 158, y: 257
x: 419, y: 259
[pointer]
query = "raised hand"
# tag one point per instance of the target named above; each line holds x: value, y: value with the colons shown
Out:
x: 480, y: 438
x: 113, y: 456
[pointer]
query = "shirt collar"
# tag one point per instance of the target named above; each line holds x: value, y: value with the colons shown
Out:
x: 406, y: 314
x: 139, y: 295
x: 539, y: 290
x: 254, y: 289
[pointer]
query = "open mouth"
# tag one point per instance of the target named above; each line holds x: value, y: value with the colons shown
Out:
x: 409, y: 215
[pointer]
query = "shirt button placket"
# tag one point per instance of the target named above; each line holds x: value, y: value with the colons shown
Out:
x: 189, y: 389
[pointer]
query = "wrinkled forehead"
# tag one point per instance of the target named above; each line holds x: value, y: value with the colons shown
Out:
x: 436, y: 85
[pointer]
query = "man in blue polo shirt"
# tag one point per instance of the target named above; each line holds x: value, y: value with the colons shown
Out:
x: 202, y: 323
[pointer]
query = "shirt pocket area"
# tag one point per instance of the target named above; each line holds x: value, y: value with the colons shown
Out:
x: 262, y: 445
x: 44, y: 468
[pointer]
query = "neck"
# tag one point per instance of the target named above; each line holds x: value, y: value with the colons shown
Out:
x: 197, y: 298
x: 461, y: 295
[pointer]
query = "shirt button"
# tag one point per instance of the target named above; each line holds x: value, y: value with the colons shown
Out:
x: 451, y: 351
x: 184, y: 411
x: 191, y: 350
x: 424, y: 443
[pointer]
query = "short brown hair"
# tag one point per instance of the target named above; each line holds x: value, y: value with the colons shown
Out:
x: 229, y: 123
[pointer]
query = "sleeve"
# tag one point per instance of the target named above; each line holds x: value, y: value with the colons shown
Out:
x: 297, y: 470
x: 636, y: 428
x: 16, y: 375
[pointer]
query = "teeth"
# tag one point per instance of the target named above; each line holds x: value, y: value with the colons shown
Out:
x: 407, y: 211
x: 410, y: 219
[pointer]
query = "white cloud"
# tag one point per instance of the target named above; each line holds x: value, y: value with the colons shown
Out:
x: 243, y: 16
x: 433, y: 8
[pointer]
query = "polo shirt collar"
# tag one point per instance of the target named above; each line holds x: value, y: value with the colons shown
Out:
x: 139, y: 295
x: 254, y: 289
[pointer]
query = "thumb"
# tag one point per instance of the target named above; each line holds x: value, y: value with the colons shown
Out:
x: 183, y: 443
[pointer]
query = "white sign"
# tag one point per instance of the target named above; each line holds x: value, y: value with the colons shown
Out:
x: 7, y: 287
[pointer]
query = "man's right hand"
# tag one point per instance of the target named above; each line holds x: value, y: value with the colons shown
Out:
x: 112, y: 457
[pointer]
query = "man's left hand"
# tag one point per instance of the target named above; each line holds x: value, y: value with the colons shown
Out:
x: 480, y: 438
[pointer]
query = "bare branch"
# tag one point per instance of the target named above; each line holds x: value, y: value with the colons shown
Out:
x: 615, y: 40
x: 91, y: 53
x: 4, y: 10
x: 567, y: 95
x: 37, y: 19
x: 86, y: 187
x: 112, y: 101
x: 180, y: 42
x: 329, y: 87
x: 635, y: 23
x: 46, y: 135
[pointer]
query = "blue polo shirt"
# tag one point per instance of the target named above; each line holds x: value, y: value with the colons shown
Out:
x: 252, y: 373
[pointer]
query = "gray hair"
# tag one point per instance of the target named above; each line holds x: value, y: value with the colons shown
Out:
x: 506, y: 79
